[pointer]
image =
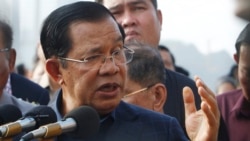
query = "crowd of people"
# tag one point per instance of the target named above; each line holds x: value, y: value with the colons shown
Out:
x: 100, y: 54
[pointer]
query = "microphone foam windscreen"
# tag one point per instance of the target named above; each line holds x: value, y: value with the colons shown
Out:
x: 42, y: 114
x: 87, y: 120
x: 9, y: 113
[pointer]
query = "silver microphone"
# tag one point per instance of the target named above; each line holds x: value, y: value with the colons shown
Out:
x: 80, y: 122
x: 36, y: 117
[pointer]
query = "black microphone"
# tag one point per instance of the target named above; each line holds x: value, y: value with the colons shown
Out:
x: 39, y: 115
x: 80, y: 122
x: 9, y: 113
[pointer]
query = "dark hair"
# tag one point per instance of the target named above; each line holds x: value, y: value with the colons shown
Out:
x: 55, y: 39
x: 154, y: 2
x: 244, y: 37
x: 7, y: 34
x: 165, y: 48
x: 147, y: 67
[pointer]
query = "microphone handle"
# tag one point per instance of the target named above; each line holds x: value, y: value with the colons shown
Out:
x: 55, y: 129
x: 10, y: 129
x: 17, y: 127
x: 6, y: 139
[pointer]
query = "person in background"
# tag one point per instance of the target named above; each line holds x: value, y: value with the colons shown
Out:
x: 41, y: 77
x: 145, y: 81
x: 85, y: 54
x: 7, y: 63
x: 141, y: 21
x: 234, y: 74
x: 225, y: 84
x: 18, y: 85
x: 22, y: 70
x: 235, y: 105
x: 167, y: 57
x: 169, y: 60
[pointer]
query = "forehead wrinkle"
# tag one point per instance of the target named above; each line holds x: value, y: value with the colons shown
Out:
x: 97, y: 48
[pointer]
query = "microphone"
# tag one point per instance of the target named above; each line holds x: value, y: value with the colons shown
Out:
x: 39, y: 115
x: 81, y: 122
x: 9, y: 113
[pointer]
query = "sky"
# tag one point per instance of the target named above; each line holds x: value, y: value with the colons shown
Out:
x: 209, y: 24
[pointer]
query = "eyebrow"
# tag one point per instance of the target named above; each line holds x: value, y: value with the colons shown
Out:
x: 131, y: 3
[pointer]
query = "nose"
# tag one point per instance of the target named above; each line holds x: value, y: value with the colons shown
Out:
x: 109, y: 66
x: 127, y: 19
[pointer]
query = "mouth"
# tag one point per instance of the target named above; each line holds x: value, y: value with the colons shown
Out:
x: 131, y: 35
x: 109, y: 90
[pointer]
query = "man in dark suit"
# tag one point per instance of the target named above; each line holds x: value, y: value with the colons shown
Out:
x: 20, y: 87
x: 27, y: 90
x: 7, y: 62
x: 85, y: 53
x: 142, y: 21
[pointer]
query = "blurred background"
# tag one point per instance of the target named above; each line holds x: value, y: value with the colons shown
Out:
x: 200, y: 33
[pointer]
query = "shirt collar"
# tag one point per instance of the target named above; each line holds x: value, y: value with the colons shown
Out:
x: 242, y: 107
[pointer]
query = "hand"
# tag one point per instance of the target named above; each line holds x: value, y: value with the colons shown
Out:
x: 201, y: 125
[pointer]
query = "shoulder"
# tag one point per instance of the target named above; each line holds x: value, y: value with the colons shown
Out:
x: 229, y: 97
x: 148, y: 124
x: 175, y: 82
x: 131, y: 112
x: 15, y: 78
x: 28, y: 90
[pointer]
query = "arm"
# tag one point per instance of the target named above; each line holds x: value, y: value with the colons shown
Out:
x: 201, y: 125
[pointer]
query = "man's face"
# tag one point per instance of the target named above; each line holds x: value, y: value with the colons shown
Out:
x: 4, y: 66
x: 244, y: 70
x: 102, y: 87
x: 140, y: 20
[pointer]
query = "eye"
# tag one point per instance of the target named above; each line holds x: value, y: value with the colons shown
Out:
x: 139, y: 8
x: 92, y: 58
x: 117, y: 53
x: 116, y: 12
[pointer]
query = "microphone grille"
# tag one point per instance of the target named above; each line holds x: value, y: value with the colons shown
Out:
x: 9, y: 113
x: 42, y: 114
x: 87, y: 120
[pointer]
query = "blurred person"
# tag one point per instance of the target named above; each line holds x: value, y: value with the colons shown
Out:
x: 7, y: 63
x: 145, y: 80
x: 141, y: 21
x: 225, y: 84
x: 41, y: 76
x: 22, y: 70
x: 234, y: 74
x: 235, y: 105
x: 167, y: 57
x: 242, y: 9
x: 84, y: 48
x: 169, y: 60
x: 17, y: 85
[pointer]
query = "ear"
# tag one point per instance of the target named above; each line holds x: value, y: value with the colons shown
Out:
x: 159, y: 15
x: 236, y: 58
x: 160, y: 97
x: 53, y: 68
x: 12, y: 59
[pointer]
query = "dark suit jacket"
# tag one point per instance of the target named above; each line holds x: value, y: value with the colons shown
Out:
x: 174, y: 105
x: 27, y: 90
x: 130, y: 123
